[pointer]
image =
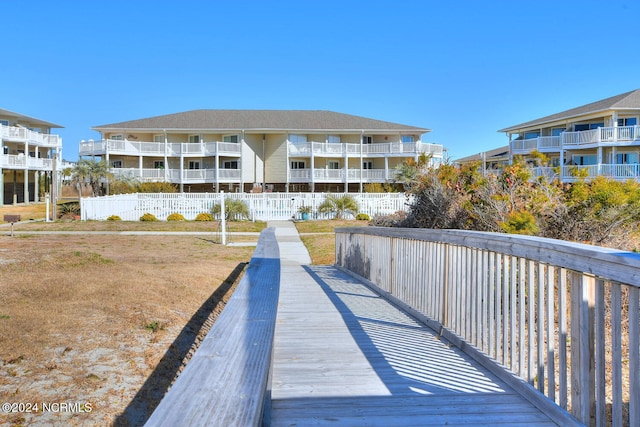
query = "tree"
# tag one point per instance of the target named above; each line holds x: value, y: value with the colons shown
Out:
x: 339, y: 205
x: 91, y: 173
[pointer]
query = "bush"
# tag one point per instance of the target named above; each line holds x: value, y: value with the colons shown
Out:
x: 339, y: 205
x: 363, y: 217
x: 175, y: 217
x: 235, y: 210
x: 114, y: 218
x: 148, y: 217
x: 204, y: 216
x: 396, y: 219
x: 520, y: 223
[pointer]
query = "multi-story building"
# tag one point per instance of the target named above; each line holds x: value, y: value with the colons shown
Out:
x: 602, y: 138
x: 26, y: 157
x: 255, y: 150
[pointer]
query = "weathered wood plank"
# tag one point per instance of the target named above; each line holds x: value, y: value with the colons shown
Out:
x: 225, y: 382
x: 352, y: 358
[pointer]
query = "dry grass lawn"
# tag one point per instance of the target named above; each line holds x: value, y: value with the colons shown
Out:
x: 320, y: 239
x: 104, y: 320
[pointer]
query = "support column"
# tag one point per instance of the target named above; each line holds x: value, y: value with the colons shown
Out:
x: 313, y: 165
x: 1, y: 187
x: 36, y: 185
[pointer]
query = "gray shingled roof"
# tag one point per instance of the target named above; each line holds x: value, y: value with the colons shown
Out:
x: 31, y: 120
x: 625, y: 101
x: 260, y: 120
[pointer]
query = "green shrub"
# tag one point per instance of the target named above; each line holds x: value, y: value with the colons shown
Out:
x: 339, y: 205
x: 175, y: 217
x: 114, y: 218
x: 204, y: 216
x: 522, y: 222
x: 148, y: 217
x: 69, y: 208
x: 363, y: 217
x: 235, y: 210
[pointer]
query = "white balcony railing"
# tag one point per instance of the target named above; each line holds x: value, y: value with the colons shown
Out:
x: 173, y: 175
x: 614, y: 171
x: 338, y: 175
x: 21, y: 134
x: 542, y: 143
x: 20, y: 161
x: 305, y: 149
x: 173, y: 149
x: 603, y: 135
x: 614, y: 134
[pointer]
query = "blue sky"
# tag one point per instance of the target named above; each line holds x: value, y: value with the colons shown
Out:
x: 463, y: 69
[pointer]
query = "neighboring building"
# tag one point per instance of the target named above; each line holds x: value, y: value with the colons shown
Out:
x: 26, y: 157
x: 255, y: 150
x: 602, y: 137
x: 490, y: 161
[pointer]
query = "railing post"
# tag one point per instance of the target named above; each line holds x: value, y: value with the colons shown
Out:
x: 445, y: 286
x: 582, y: 346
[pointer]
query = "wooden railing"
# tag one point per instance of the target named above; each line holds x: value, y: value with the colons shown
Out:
x: 226, y: 382
x: 563, y: 317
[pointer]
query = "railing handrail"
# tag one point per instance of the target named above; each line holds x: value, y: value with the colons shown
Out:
x: 550, y: 311
x: 226, y: 380
x: 610, y: 263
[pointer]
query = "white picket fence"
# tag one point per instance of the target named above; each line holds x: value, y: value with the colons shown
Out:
x: 262, y: 207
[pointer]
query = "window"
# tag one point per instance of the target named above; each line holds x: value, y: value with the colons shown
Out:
x: 585, y: 160
x: 530, y: 135
x: 333, y: 139
x: 556, y: 131
x: 194, y: 139
x: 117, y: 137
x: 116, y: 164
x: 194, y: 164
x: 406, y: 138
x: 367, y: 165
x: 297, y: 165
x: 628, y: 121
x: 626, y: 158
x: 367, y: 139
x: 230, y: 164
x: 158, y: 138
x: 588, y: 126
x: 4, y: 122
x: 158, y: 164
x: 333, y: 165
x: 297, y: 138
x: 230, y: 138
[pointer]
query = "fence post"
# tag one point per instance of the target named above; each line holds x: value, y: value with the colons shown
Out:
x: 582, y: 346
x: 223, y: 223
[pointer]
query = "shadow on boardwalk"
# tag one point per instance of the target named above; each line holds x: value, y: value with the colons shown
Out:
x: 180, y: 351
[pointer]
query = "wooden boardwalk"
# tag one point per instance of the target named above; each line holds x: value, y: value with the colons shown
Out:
x: 343, y: 355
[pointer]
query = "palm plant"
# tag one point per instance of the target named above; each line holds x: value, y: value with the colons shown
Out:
x: 339, y: 205
x: 89, y: 172
x: 235, y: 210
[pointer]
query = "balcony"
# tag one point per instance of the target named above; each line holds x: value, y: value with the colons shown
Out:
x: 22, y: 134
x: 542, y: 144
x: 20, y: 161
x: 617, y: 135
x: 172, y: 149
x: 340, y: 175
x: 188, y: 176
x: 621, y: 172
x: 391, y: 149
